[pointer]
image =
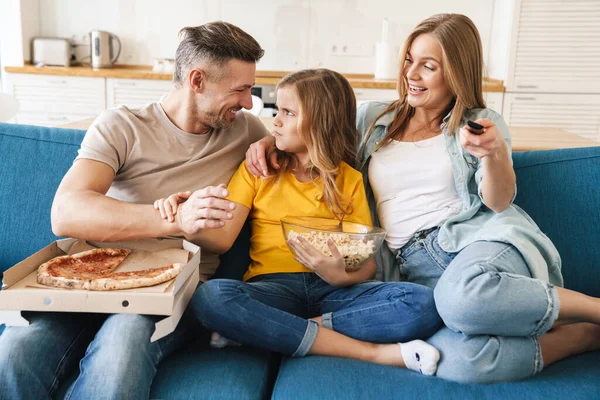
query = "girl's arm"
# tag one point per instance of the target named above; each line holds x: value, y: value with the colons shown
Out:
x: 219, y: 240
x: 365, y: 273
x: 332, y: 269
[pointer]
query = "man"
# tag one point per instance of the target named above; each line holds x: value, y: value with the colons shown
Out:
x: 193, y: 140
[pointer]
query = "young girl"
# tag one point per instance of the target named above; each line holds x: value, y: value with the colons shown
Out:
x: 310, y: 304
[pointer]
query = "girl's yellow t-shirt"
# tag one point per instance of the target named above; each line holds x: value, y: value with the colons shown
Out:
x: 269, y: 200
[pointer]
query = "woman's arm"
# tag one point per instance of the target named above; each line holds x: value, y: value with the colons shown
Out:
x: 498, y: 181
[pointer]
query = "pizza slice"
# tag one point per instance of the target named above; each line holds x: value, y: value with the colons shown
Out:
x: 135, y: 279
x: 93, y: 270
x: 64, y: 271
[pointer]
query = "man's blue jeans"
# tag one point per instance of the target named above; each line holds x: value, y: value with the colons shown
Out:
x: 119, y: 363
x: 273, y: 311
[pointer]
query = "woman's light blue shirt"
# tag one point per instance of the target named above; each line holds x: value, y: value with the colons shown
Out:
x: 476, y: 221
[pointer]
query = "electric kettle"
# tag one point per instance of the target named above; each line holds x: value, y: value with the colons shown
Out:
x: 103, y: 54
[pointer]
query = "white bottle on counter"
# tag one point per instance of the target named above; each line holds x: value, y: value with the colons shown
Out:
x: 386, y: 56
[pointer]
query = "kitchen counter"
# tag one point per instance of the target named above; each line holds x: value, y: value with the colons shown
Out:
x: 362, y: 81
x: 523, y: 138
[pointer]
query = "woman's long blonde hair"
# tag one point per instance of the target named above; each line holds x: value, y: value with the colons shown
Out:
x: 462, y: 62
x: 326, y: 125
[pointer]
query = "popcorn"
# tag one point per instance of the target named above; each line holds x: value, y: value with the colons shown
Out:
x: 355, y: 251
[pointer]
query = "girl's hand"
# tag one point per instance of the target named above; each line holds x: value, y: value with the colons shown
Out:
x: 331, y: 269
x: 168, y: 206
x: 486, y: 144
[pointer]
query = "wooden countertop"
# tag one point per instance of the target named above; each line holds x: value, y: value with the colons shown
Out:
x: 523, y: 138
x: 530, y: 138
x: 362, y: 81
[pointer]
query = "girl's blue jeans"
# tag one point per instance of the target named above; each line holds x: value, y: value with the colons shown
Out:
x: 274, y: 311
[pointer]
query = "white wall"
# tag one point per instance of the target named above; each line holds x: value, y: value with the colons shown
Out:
x: 502, y: 23
x: 19, y: 22
x: 295, y: 33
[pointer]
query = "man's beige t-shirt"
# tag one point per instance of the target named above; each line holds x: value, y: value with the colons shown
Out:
x: 152, y: 158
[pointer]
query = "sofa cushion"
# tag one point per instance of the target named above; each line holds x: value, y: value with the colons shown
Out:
x: 229, y: 373
x: 559, y: 189
x: 200, y: 372
x: 234, y: 263
x: 34, y: 160
x: 335, y: 378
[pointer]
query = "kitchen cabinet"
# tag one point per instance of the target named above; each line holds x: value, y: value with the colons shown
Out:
x: 365, y: 95
x: 52, y: 96
x: 574, y: 113
x: 56, y: 100
x: 493, y: 99
x: 134, y: 92
x: 553, y: 75
x: 555, y: 47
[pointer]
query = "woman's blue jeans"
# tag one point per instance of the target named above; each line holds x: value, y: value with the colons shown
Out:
x: 493, y: 310
x: 273, y: 311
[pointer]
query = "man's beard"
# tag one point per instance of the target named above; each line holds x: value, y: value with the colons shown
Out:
x: 217, y: 122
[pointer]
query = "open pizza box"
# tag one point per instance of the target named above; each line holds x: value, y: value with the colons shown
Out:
x: 21, y: 292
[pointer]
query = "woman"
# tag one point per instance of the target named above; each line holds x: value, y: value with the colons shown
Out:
x: 310, y: 304
x: 444, y: 193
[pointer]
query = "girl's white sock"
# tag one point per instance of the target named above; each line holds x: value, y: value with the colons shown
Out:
x: 420, y: 356
x: 218, y: 341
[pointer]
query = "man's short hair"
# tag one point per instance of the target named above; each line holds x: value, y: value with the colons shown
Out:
x: 216, y: 43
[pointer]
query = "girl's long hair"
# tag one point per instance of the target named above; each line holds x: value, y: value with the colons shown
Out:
x: 462, y: 62
x: 326, y: 125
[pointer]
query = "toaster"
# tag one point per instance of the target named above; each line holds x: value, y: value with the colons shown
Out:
x: 51, y: 51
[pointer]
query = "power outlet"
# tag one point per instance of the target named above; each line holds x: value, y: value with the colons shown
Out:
x: 350, y: 50
x: 84, y: 40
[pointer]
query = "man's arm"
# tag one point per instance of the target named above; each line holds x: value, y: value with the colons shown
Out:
x: 82, y: 210
x: 256, y: 157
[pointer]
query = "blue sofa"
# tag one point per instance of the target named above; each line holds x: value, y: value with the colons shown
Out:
x: 559, y: 189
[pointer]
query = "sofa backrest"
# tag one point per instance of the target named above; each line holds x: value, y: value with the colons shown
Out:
x: 32, y: 163
x: 560, y: 190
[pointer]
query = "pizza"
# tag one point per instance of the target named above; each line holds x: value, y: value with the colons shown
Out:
x: 134, y: 279
x: 93, y: 270
x: 85, y: 265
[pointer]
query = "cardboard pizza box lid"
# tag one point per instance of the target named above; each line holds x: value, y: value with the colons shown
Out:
x: 15, y: 295
x: 182, y: 299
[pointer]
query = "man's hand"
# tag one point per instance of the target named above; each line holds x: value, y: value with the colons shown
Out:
x: 205, y: 208
x: 331, y: 269
x: 256, y: 160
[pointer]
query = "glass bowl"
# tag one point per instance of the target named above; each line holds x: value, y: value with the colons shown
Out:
x: 356, y: 242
